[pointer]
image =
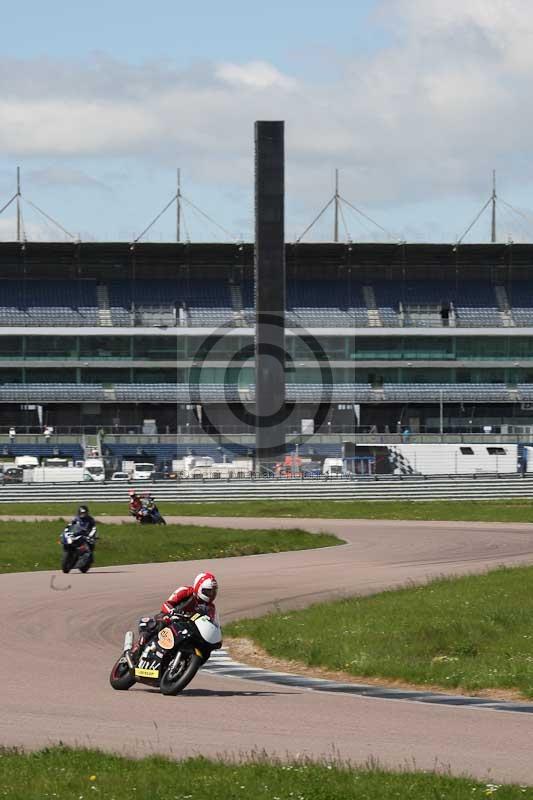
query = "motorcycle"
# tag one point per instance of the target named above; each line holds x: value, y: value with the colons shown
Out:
x: 149, y: 514
x: 171, y: 657
x: 78, y: 549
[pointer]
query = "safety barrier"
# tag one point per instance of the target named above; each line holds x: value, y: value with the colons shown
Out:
x: 385, y: 488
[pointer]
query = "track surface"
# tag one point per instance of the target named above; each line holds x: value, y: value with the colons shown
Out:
x: 59, y: 647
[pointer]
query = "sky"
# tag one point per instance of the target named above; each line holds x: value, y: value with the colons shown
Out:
x: 415, y: 103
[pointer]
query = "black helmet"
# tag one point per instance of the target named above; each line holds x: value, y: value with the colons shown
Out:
x: 83, y: 511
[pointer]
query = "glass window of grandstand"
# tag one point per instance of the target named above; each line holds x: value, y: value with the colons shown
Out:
x: 380, y: 349
x: 242, y: 376
x: 480, y: 376
x: 521, y: 347
x: 50, y: 375
x: 158, y: 348
x: 327, y: 347
x: 105, y: 347
x: 480, y: 347
x: 10, y: 376
x: 50, y: 347
x: 427, y: 348
x: 430, y: 375
x: 155, y: 375
x: 213, y: 348
x: 10, y: 347
x: 105, y: 376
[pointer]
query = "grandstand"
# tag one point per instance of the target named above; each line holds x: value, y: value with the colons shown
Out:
x: 380, y: 337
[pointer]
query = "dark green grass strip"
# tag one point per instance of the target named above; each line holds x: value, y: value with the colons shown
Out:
x: 26, y: 547
x: 64, y: 774
x: 472, y: 633
x: 517, y: 510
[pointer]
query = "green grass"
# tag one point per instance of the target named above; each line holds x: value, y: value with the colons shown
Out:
x: 26, y: 547
x: 518, y: 510
x: 86, y: 774
x: 473, y: 633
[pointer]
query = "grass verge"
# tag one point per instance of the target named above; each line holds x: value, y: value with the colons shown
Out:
x: 471, y: 634
x: 65, y: 773
x: 27, y: 547
x: 517, y: 510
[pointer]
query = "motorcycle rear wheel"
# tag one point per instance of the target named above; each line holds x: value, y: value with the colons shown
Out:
x: 174, y: 686
x: 121, y: 678
x: 84, y: 564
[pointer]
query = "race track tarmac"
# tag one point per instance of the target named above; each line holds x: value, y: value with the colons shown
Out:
x: 62, y: 633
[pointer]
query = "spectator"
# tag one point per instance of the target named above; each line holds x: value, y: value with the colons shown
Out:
x: 12, y: 433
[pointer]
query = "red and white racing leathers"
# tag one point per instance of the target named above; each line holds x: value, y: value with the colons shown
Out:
x: 184, y: 600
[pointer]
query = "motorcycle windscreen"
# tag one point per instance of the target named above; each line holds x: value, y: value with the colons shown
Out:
x: 209, y: 629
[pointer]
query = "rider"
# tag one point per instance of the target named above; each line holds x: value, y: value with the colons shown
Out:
x: 86, y: 523
x: 185, y: 600
x: 188, y: 599
x: 135, y: 502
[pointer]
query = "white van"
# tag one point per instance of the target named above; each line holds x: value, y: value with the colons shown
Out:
x: 142, y: 472
x: 334, y: 467
x: 93, y: 470
x: 27, y: 462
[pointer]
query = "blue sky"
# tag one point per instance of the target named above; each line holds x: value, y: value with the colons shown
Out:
x: 183, y: 32
x: 414, y: 103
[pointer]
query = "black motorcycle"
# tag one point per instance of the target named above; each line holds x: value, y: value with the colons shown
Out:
x: 171, y: 657
x: 78, y: 548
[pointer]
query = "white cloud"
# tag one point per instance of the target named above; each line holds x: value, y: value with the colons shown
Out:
x: 429, y: 114
x: 255, y: 74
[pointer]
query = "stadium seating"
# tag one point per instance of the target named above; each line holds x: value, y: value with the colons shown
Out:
x: 48, y: 302
x: 310, y: 303
x: 51, y: 392
x: 459, y: 392
x: 64, y: 449
x: 205, y: 303
x: 521, y: 300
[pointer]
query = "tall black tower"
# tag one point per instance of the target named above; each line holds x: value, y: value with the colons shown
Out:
x: 269, y: 290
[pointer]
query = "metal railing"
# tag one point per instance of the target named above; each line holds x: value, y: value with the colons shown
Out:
x: 487, y: 487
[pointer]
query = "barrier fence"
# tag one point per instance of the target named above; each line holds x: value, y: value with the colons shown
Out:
x: 473, y: 487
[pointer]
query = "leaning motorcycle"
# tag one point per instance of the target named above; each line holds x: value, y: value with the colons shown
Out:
x: 171, y: 657
x: 149, y: 514
x: 78, y: 549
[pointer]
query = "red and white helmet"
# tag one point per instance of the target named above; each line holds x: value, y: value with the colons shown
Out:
x: 205, y: 587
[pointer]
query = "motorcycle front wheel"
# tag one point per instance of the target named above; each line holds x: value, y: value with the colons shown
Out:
x: 68, y: 560
x: 121, y: 677
x: 190, y: 665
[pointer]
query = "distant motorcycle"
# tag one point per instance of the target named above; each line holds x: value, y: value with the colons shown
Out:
x: 78, y: 548
x: 171, y: 657
x: 149, y: 514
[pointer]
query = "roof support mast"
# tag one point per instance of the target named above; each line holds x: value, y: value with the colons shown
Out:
x: 178, y: 208
x: 337, y: 199
x: 18, y: 205
x: 493, y: 199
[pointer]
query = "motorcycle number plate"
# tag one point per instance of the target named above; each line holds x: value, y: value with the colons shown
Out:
x: 166, y: 639
x: 140, y: 672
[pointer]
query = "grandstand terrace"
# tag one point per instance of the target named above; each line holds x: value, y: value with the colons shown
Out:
x: 107, y: 335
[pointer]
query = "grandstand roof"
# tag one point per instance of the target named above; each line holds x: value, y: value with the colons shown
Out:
x: 395, y: 260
